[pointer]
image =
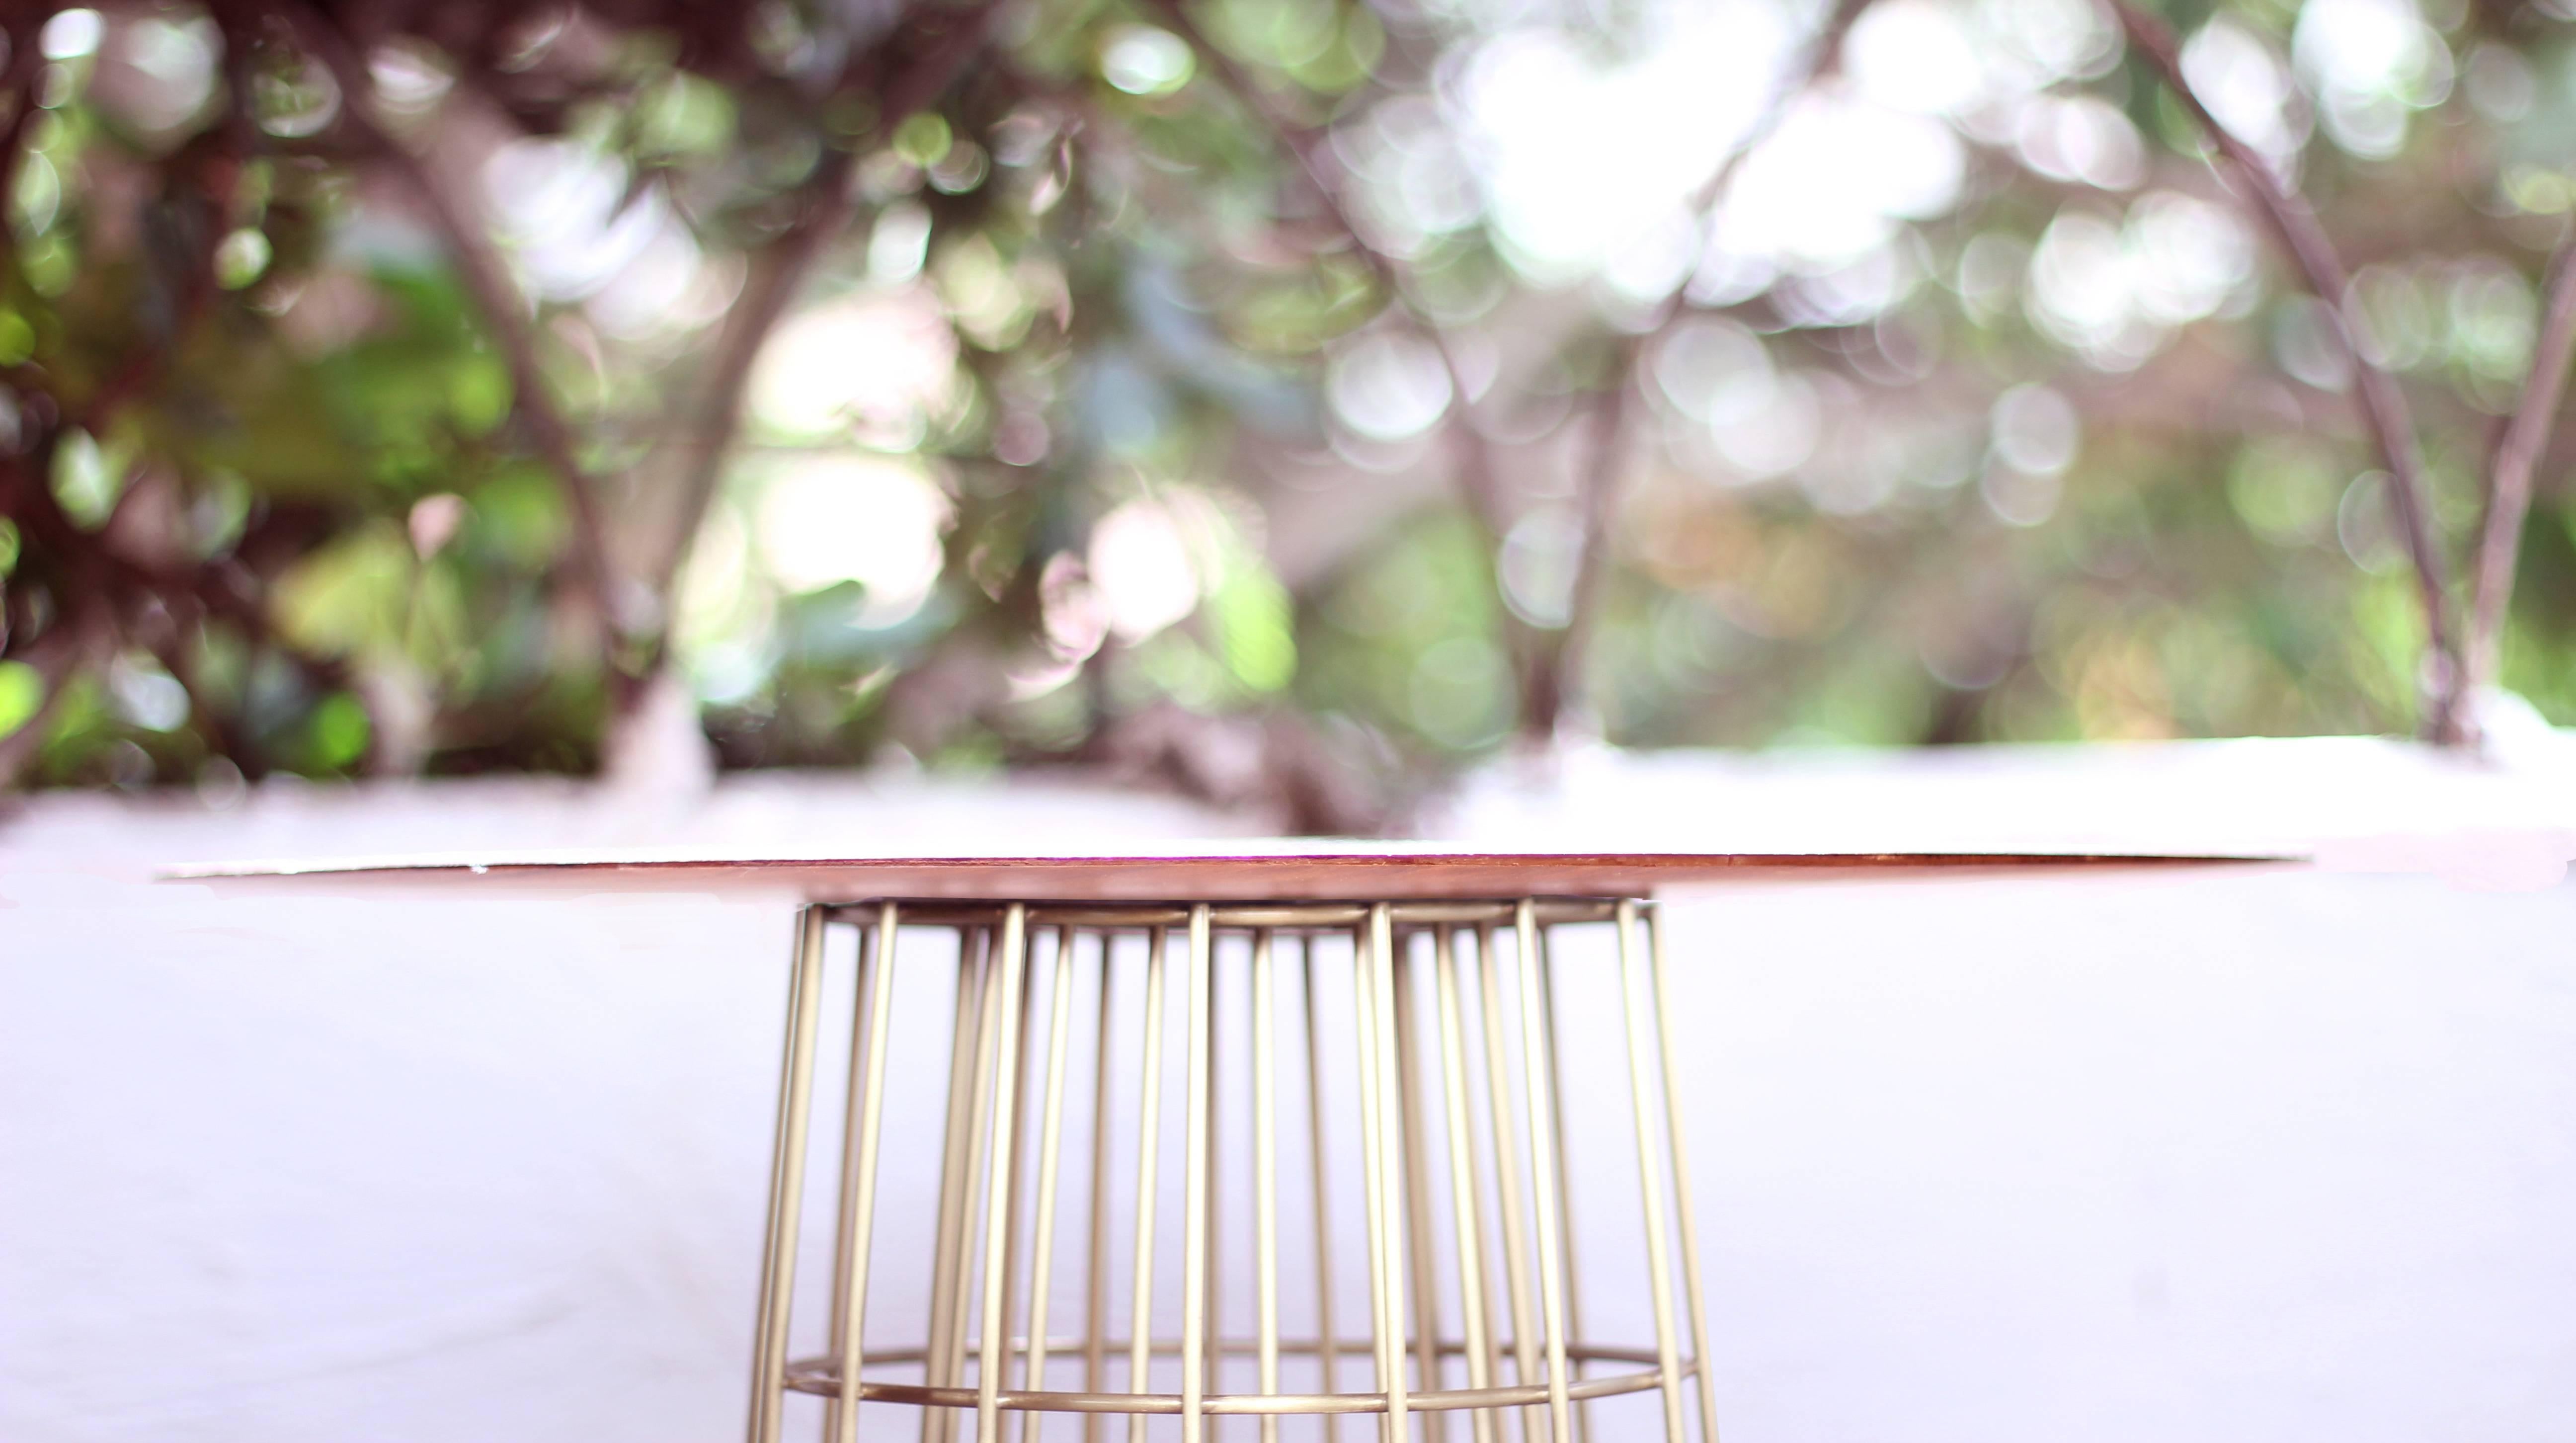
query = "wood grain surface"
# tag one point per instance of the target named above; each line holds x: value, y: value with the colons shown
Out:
x: 1226, y: 871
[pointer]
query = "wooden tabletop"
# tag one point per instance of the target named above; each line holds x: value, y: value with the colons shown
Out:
x: 1233, y: 870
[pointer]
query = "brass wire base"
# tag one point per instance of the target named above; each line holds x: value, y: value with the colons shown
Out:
x: 1441, y: 1018
x: 822, y: 1377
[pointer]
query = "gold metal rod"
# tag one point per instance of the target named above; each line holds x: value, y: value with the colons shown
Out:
x: 1095, y: 1280
x: 981, y: 1124
x: 1507, y: 1172
x: 1019, y: 1134
x: 1391, y: 1142
x: 1386, y: 1344
x: 846, y: 1223
x: 1212, y: 1246
x: 1697, y: 1298
x: 1564, y: 1186
x: 1140, y: 1321
x: 952, y: 1167
x: 1420, y: 1250
x: 1007, y: 1100
x: 859, y: 1184
x: 1325, y: 1348
x: 1265, y: 1175
x: 1634, y: 986
x: 1050, y: 1139
x: 1537, y: 1069
x: 849, y: 1118
x: 1468, y: 1223
x: 1000, y: 1193
x: 1194, y: 1185
x: 787, y: 1180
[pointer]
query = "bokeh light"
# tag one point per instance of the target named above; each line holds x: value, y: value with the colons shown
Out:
x: 1330, y: 366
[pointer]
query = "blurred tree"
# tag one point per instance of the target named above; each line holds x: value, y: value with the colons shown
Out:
x: 1283, y: 397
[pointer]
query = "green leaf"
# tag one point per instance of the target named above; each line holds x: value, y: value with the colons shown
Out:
x: 336, y: 736
x: 922, y: 138
x: 1255, y: 621
x: 87, y: 478
x: 241, y: 259
x: 17, y: 339
x: 22, y: 690
x: 685, y: 115
x: 353, y: 594
x: 480, y: 394
x: 518, y: 516
x: 50, y: 264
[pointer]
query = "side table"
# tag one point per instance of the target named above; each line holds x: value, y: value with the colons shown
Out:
x: 1218, y: 1061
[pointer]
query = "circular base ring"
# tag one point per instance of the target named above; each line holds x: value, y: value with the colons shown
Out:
x: 822, y: 1376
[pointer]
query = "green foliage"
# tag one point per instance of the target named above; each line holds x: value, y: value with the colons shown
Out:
x: 2059, y: 450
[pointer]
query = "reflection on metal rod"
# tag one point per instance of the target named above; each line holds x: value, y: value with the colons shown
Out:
x: 982, y: 1108
x: 1387, y: 1343
x: 1390, y: 1171
x: 1212, y: 1360
x: 1323, y: 1190
x: 1019, y: 1133
x: 865, y: 1135
x: 1507, y: 1172
x: 1265, y: 1174
x: 948, y: 1243
x: 1050, y: 1139
x: 787, y: 1180
x: 1563, y: 1170
x: 1149, y: 1127
x: 1194, y: 1187
x: 1682, y: 1209
x: 993, y: 1362
x: 1095, y: 1278
x: 1537, y: 1071
x: 838, y: 1410
x: 1650, y: 1180
x: 1419, y: 1248
x: 1468, y: 1222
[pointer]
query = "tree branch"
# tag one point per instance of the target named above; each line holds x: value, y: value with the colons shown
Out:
x: 95, y: 576
x: 19, y: 80
x: 2526, y: 436
x: 712, y: 418
x: 487, y: 283
x: 196, y: 291
x: 707, y: 427
x: 169, y: 645
x: 1550, y: 688
x: 1305, y: 147
x: 1555, y: 677
x: 2383, y: 405
x: 213, y: 594
x: 1824, y: 56
x: 1479, y: 473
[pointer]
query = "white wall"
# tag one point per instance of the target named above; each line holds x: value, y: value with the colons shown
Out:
x: 2223, y: 1156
